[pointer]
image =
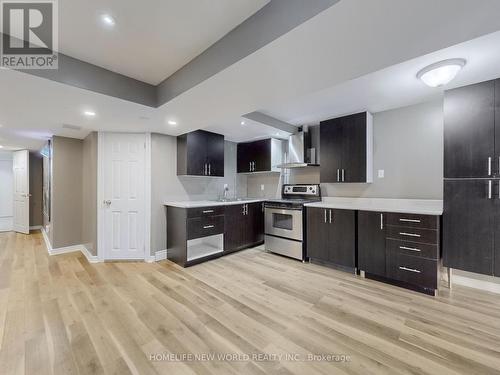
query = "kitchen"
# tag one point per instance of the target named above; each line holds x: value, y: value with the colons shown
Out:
x: 293, y: 190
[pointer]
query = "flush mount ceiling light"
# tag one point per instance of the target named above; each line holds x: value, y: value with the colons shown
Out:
x: 108, y: 20
x: 89, y: 113
x: 441, y: 73
x: 172, y: 122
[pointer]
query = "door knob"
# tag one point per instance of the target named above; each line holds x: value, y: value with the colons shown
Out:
x: 107, y: 203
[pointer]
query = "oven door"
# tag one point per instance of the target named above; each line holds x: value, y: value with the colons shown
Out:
x: 285, y: 223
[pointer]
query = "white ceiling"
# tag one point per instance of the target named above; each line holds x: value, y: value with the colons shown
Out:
x: 152, y: 38
x: 347, y: 58
x: 393, y: 87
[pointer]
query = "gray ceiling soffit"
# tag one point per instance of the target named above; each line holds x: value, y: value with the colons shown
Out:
x: 272, y: 21
x: 91, y: 77
x: 271, y: 121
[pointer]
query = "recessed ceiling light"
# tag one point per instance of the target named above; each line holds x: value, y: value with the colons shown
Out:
x: 441, y: 73
x: 1, y: 146
x: 108, y: 20
x: 172, y: 122
x: 242, y: 123
x: 89, y: 113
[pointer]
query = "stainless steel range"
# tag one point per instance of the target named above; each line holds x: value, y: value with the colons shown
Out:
x: 284, y: 220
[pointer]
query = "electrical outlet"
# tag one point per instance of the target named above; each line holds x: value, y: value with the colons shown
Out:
x: 262, y: 187
x: 381, y: 173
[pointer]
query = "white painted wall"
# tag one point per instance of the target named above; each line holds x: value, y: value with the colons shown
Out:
x: 6, y: 191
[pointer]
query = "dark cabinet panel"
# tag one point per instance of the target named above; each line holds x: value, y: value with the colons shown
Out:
x: 342, y: 238
x: 257, y: 156
x: 413, y: 220
x: 497, y: 128
x: 215, y: 154
x: 422, y: 250
x: 331, y: 150
x: 412, y: 270
x: 199, y: 227
x: 256, y: 223
x: 468, y: 225
x: 243, y: 157
x: 354, y: 148
x: 244, y: 226
x: 371, y: 242
x: 346, y: 149
x: 331, y: 236
x: 317, y: 233
x: 235, y: 230
x: 200, y: 153
x: 469, y: 131
x: 430, y: 236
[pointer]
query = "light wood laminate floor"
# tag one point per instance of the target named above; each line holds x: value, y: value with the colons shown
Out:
x: 62, y: 315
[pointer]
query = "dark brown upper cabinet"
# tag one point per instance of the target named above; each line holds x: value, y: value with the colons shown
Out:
x: 469, y: 131
x: 259, y: 156
x: 346, y: 147
x: 200, y: 153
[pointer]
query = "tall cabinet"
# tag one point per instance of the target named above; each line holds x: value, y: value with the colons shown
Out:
x: 471, y: 217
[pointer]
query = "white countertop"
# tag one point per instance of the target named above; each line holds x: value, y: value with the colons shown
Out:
x: 208, y: 203
x: 408, y: 206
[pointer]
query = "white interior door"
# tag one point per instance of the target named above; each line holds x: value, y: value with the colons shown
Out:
x: 124, y: 195
x: 21, y: 166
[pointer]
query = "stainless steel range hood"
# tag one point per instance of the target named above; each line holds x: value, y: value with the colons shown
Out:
x: 300, y: 153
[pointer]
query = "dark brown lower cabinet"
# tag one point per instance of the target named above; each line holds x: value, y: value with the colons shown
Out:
x: 371, y: 242
x: 469, y: 225
x: 244, y: 226
x: 400, y: 248
x: 331, y: 236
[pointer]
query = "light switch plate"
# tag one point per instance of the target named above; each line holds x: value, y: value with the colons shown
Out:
x: 262, y: 187
x: 381, y: 173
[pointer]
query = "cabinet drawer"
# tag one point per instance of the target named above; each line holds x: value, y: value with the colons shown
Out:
x: 205, y: 211
x: 413, y: 270
x: 415, y: 249
x: 413, y: 220
x: 204, y: 226
x: 419, y: 235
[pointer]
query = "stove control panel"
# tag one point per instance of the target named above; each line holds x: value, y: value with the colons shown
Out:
x: 309, y: 190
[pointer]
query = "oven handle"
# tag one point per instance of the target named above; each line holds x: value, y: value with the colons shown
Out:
x: 282, y: 208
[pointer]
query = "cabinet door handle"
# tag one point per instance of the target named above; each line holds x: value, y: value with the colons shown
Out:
x: 209, y: 167
x: 490, y: 186
x: 208, y: 226
x: 343, y: 175
x: 410, y: 220
x: 381, y: 221
x: 208, y: 211
x: 409, y: 269
x: 410, y: 248
x: 330, y: 216
x: 325, y: 216
x: 205, y: 169
x: 489, y: 166
x: 409, y: 234
x: 338, y: 175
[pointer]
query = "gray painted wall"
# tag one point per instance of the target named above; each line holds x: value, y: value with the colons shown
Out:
x: 408, y: 146
x: 89, y: 193
x: 66, y: 221
x: 36, y: 189
x: 167, y: 186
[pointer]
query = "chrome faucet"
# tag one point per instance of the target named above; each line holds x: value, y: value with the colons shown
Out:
x: 226, y: 190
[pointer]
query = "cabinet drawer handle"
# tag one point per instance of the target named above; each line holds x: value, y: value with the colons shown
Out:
x: 409, y: 234
x: 208, y: 226
x: 410, y: 220
x: 410, y: 248
x: 489, y: 166
x: 409, y: 269
x: 208, y: 211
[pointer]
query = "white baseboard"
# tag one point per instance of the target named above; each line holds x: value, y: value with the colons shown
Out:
x: 161, y: 255
x: 35, y: 227
x: 69, y: 249
x: 485, y: 285
x: 90, y: 258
